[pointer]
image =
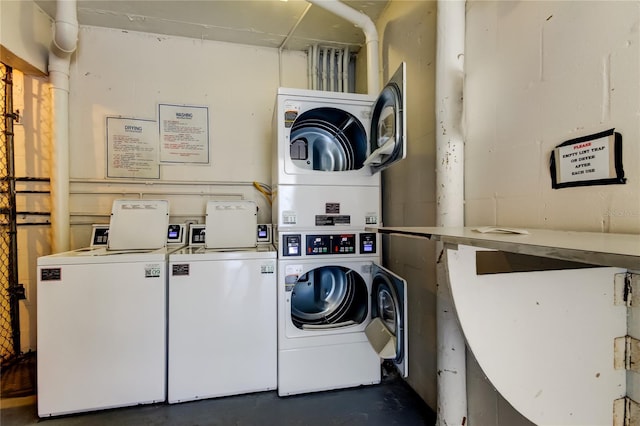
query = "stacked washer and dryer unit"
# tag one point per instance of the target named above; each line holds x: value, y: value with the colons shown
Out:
x: 339, y: 313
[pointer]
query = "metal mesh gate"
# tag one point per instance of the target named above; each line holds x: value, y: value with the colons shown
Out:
x: 9, y: 320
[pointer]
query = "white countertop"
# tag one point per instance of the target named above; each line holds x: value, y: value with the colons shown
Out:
x: 604, y: 249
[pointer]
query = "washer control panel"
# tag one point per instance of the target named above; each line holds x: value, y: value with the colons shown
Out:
x: 328, y: 244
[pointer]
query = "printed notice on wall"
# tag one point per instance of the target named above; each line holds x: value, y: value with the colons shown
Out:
x: 589, y: 160
x: 184, y: 134
x: 132, y: 148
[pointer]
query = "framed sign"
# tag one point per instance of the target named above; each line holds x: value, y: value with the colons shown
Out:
x: 132, y: 148
x: 589, y: 160
x: 184, y: 134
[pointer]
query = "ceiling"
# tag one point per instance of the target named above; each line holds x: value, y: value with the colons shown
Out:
x: 254, y: 22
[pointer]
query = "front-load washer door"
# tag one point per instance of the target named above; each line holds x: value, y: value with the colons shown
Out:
x: 388, y: 137
x: 388, y: 330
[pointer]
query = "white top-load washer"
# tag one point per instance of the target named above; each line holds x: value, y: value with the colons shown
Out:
x: 102, y: 316
x: 222, y: 307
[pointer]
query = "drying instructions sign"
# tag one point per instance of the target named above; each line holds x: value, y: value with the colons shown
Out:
x: 590, y: 160
x: 184, y: 134
x: 132, y: 148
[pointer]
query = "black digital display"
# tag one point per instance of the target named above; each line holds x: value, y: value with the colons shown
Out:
x: 367, y: 243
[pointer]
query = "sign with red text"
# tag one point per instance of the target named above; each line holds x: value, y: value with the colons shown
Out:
x: 132, y: 148
x: 589, y: 160
x: 184, y: 134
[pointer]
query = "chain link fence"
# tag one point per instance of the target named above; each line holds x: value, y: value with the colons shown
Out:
x: 8, y: 308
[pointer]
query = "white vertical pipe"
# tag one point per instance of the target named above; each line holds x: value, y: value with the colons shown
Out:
x: 332, y: 70
x: 339, y: 69
x: 65, y: 38
x: 325, y: 57
x: 365, y: 23
x: 314, y: 85
x: 310, y: 68
x: 452, y: 391
x: 345, y: 69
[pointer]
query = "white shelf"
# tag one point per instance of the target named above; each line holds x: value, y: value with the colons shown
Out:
x: 603, y: 249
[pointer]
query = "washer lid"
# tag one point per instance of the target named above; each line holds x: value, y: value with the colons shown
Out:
x: 138, y: 224
x: 388, y: 330
x: 388, y: 140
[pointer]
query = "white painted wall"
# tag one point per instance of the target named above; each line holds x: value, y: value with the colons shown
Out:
x: 535, y: 77
x: 407, y: 32
x: 25, y: 35
x: 128, y: 74
x: 119, y: 73
x: 539, y: 73
x: 31, y: 155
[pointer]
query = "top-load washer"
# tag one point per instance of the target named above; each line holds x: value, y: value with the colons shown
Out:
x: 102, y: 315
x: 328, y: 144
x: 222, y: 307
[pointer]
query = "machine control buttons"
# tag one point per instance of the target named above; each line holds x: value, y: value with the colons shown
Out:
x: 330, y: 244
x: 291, y: 245
x: 318, y: 244
x: 197, y: 233
x: 344, y: 244
x: 367, y: 243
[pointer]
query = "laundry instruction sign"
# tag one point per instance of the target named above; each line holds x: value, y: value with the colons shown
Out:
x: 132, y: 148
x: 184, y: 134
x: 591, y: 160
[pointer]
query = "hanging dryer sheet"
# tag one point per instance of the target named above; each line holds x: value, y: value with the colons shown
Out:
x: 138, y: 224
x: 231, y: 224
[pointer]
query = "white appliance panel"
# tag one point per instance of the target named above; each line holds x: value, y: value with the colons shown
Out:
x: 222, y: 324
x: 321, y: 368
x: 231, y: 224
x: 101, y: 335
x: 138, y: 224
x: 327, y: 207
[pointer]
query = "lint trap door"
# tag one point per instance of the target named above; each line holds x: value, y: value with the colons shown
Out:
x: 388, y: 136
x: 388, y: 331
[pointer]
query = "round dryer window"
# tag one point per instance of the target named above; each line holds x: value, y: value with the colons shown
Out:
x: 329, y: 297
x: 328, y: 139
x: 386, y: 125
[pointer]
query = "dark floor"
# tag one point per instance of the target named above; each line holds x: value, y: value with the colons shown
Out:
x: 392, y: 402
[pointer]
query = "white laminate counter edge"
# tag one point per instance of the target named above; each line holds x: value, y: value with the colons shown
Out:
x: 604, y: 249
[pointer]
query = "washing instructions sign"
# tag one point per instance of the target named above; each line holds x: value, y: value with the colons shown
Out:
x: 184, y: 134
x: 591, y: 160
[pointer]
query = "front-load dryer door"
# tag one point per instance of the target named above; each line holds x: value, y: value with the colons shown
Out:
x: 388, y: 330
x: 388, y: 138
